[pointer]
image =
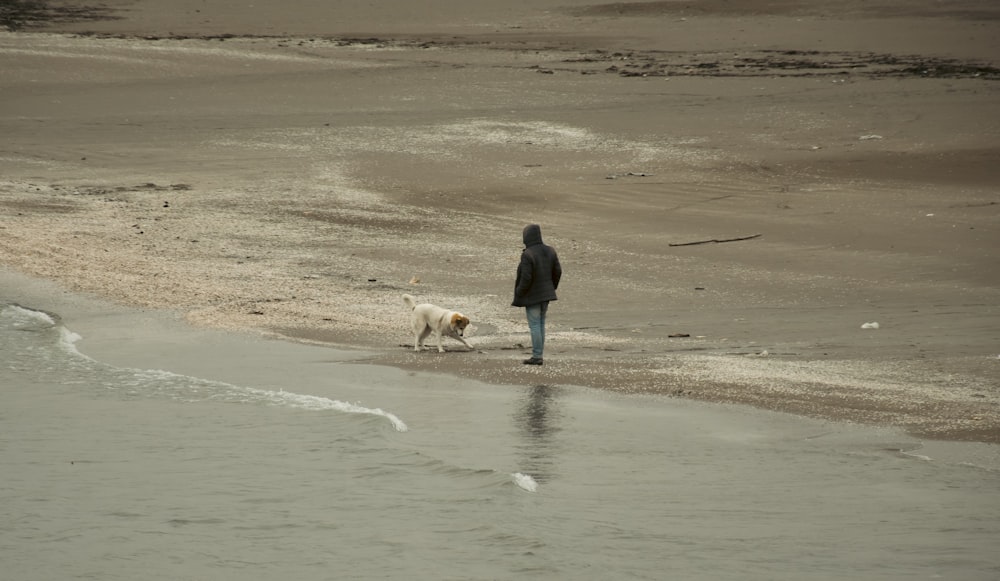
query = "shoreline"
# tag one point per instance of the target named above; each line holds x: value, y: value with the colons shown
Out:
x: 836, y: 392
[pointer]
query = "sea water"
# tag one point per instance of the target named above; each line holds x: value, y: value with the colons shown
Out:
x: 114, y: 472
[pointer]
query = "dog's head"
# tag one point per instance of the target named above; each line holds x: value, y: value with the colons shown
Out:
x: 459, y: 322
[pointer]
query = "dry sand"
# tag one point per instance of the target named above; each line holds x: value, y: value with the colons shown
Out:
x: 292, y: 170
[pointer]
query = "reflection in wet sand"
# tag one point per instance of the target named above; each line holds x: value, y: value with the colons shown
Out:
x: 538, y: 420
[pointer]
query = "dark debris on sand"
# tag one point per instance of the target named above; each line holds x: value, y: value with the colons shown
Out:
x: 22, y: 14
x: 782, y: 63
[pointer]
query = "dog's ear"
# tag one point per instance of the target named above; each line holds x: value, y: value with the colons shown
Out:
x: 459, y: 320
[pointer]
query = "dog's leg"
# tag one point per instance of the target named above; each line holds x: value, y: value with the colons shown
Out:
x: 418, y: 343
x: 440, y: 337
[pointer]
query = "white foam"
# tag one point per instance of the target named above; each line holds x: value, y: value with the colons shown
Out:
x: 23, y: 316
x: 524, y: 481
x: 312, y: 402
x: 917, y: 456
x: 68, y: 340
x: 30, y: 314
x: 245, y: 394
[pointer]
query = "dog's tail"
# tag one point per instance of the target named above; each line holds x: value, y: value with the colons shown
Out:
x: 409, y: 302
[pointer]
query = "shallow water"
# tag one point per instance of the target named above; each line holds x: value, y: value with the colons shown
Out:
x: 111, y: 472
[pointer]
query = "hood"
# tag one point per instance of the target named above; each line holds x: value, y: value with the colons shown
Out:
x: 532, y: 235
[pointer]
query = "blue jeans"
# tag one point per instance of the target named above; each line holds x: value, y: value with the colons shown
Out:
x: 536, y: 324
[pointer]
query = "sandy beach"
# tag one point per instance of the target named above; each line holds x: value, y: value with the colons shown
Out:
x: 734, y: 192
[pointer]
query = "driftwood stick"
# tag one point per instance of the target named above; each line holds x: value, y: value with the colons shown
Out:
x: 715, y: 240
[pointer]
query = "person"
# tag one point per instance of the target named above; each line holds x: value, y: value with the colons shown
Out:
x: 537, y: 279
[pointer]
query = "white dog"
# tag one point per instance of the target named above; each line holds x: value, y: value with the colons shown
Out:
x: 428, y: 318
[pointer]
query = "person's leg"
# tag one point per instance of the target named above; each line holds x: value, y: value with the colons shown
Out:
x: 534, y: 314
x: 536, y: 325
x: 541, y: 329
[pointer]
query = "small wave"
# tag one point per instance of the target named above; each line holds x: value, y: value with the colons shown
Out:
x: 312, y: 402
x: 525, y: 481
x: 28, y: 315
x: 157, y: 380
x: 185, y: 386
x: 914, y: 455
x: 68, y: 340
x: 35, y: 320
x: 152, y: 382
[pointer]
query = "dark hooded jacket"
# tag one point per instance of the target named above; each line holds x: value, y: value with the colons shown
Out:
x: 538, y: 273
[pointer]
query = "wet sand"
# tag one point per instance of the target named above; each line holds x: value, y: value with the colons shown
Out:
x: 293, y: 171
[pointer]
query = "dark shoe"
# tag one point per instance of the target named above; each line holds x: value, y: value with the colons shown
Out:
x: 533, y: 361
